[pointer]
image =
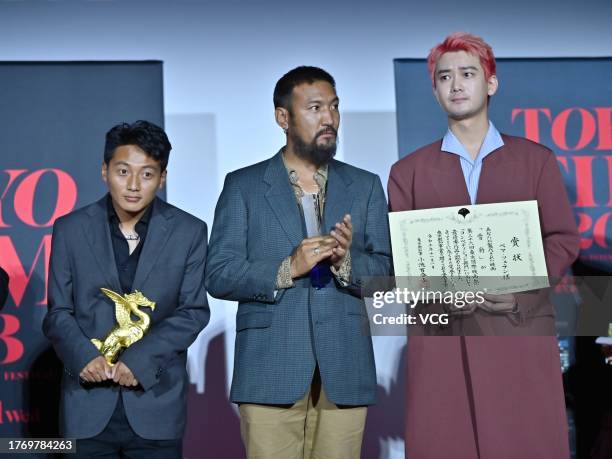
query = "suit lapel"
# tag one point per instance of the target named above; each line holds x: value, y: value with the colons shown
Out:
x: 496, y: 177
x: 449, y: 182
x: 160, y: 228
x: 97, y: 233
x: 338, y: 197
x: 281, y: 198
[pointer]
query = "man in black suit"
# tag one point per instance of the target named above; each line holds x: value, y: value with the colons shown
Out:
x: 129, y: 240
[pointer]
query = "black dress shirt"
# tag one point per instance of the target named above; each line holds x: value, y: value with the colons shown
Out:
x: 126, y: 262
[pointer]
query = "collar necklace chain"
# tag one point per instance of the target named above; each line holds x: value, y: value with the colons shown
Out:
x: 129, y: 236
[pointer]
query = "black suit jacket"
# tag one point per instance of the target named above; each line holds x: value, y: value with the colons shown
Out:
x: 171, y: 273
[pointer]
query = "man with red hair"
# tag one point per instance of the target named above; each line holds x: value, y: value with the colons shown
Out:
x: 501, y: 395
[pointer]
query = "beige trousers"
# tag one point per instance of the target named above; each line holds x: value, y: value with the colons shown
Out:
x: 312, y: 428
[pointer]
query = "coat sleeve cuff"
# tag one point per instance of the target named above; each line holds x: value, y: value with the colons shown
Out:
x: 146, y: 375
x: 81, y: 361
x: 283, y: 276
x: 343, y: 273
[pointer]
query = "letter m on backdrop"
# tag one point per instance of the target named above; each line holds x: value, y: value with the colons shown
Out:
x: 16, y: 268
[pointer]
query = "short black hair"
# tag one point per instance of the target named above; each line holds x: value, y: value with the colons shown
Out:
x: 297, y: 76
x: 147, y: 136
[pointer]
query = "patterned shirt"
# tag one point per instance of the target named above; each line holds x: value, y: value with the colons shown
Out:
x: 343, y: 274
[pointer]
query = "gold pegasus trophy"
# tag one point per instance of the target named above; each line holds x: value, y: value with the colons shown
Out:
x: 128, y: 331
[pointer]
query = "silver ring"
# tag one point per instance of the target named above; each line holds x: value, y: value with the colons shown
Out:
x: 316, y: 250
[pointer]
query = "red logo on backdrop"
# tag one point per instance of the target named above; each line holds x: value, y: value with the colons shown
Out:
x: 19, y: 196
x: 599, y: 122
x: 12, y: 415
x: 595, y: 136
x: 14, y: 347
x: 23, y: 202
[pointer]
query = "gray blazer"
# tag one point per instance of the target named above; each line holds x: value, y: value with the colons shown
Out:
x: 282, y: 335
x: 171, y: 273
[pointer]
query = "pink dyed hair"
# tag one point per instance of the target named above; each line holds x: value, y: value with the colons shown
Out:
x: 462, y: 41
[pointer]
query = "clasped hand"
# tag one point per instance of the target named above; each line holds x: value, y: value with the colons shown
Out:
x: 99, y: 370
x: 312, y: 250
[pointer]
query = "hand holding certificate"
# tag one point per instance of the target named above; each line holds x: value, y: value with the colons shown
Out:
x: 496, y: 248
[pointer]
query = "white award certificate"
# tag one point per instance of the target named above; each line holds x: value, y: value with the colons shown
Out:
x: 496, y: 248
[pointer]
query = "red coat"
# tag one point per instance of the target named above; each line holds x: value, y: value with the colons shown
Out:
x: 490, y: 397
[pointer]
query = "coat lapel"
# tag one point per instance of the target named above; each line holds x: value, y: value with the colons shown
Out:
x: 281, y: 198
x: 97, y: 233
x: 338, y: 197
x: 448, y: 180
x: 160, y: 228
x: 497, y: 176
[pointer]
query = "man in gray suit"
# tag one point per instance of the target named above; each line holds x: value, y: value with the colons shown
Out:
x: 129, y: 240
x: 292, y: 239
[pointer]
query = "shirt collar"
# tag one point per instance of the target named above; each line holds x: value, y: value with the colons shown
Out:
x: 112, y: 215
x: 492, y: 141
x: 320, y: 175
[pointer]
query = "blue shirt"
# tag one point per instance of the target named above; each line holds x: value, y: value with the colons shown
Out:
x: 472, y: 168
